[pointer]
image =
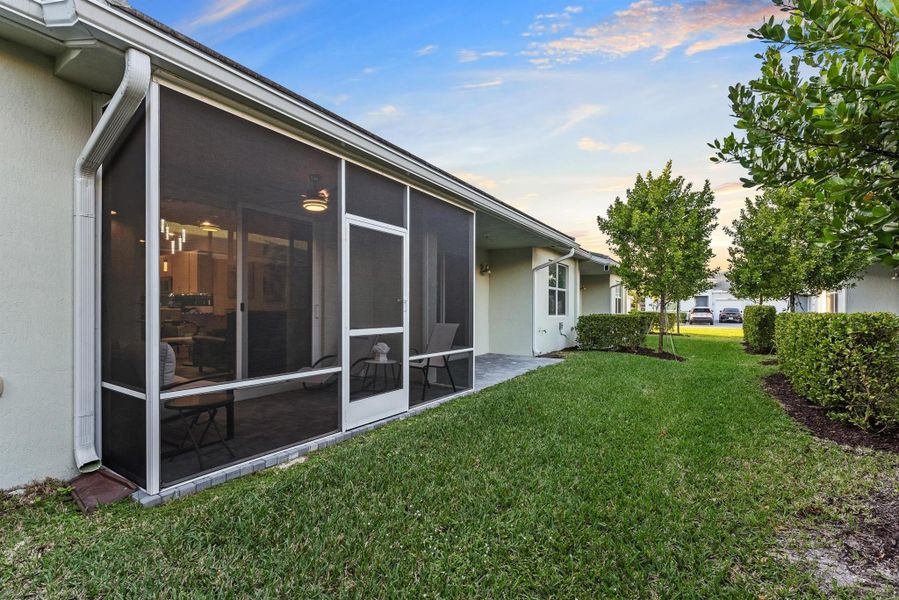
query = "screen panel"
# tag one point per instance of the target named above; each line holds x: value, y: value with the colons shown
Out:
x: 376, y: 279
x: 438, y: 377
x: 375, y: 197
x: 123, y: 261
x: 441, y: 270
x: 249, y: 247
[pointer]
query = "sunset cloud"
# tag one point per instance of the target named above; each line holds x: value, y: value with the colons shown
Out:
x: 590, y: 145
x: 579, y: 114
x: 485, y: 183
x: 481, y: 85
x: 221, y: 10
x: 697, y: 25
x: 467, y: 56
x: 550, y: 23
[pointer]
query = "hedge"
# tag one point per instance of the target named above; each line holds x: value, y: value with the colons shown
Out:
x: 758, y: 327
x: 848, y: 363
x: 604, y: 332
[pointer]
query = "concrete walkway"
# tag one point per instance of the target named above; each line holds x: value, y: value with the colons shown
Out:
x: 491, y: 369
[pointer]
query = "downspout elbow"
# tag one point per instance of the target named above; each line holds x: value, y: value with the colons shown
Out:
x: 124, y: 104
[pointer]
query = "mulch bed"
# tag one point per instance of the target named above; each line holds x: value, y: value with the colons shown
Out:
x: 815, y: 418
x: 654, y: 354
x: 749, y: 350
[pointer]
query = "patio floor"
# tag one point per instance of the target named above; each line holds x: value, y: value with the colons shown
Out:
x: 491, y: 369
x: 283, y: 419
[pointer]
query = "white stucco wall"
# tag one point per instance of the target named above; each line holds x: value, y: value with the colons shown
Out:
x: 877, y: 291
x: 511, y: 301
x: 481, y: 303
x: 44, y: 122
x: 596, y: 295
x: 554, y: 332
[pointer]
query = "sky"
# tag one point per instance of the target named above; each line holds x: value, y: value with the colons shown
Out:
x: 553, y: 107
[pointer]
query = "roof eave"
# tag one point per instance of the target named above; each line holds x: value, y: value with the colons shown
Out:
x: 122, y: 27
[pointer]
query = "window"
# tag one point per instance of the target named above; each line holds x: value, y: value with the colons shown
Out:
x: 619, y: 308
x: 833, y: 302
x: 558, y: 286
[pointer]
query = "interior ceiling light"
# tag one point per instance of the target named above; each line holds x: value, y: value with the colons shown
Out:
x: 316, y: 200
x: 210, y: 227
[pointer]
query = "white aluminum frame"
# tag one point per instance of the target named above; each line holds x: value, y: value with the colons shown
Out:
x: 151, y: 302
x: 380, y: 406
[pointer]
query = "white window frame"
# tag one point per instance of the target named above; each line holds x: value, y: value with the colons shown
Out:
x: 556, y: 289
x: 617, y: 299
x: 833, y: 301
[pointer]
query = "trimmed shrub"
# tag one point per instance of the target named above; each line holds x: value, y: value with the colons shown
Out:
x: 604, y: 332
x: 848, y: 363
x: 758, y: 327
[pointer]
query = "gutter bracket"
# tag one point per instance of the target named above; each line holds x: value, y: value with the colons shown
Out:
x: 124, y: 104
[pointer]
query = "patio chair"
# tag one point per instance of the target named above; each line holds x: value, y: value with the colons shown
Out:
x: 359, y: 346
x: 441, y: 340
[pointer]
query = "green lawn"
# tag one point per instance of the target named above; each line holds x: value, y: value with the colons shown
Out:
x: 713, y: 331
x: 609, y: 475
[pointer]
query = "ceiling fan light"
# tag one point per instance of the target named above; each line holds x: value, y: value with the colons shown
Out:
x: 317, y: 203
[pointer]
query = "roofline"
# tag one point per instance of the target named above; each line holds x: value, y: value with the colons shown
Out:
x: 122, y: 27
x: 600, y: 259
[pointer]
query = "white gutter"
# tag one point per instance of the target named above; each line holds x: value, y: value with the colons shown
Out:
x: 124, y: 104
x: 534, y: 295
x: 549, y: 263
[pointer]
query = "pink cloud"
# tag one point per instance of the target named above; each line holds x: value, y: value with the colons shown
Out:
x: 700, y: 25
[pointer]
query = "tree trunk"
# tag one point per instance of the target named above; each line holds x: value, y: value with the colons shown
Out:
x: 677, y: 317
x: 663, y: 321
x: 792, y: 302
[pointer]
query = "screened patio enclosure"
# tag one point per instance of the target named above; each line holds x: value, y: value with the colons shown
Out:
x: 257, y: 292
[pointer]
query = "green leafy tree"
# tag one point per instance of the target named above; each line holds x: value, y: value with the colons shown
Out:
x: 774, y: 255
x: 662, y: 236
x: 825, y: 111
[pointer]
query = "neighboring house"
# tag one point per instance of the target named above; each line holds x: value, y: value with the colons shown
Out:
x: 876, y: 291
x: 719, y: 296
x: 186, y: 242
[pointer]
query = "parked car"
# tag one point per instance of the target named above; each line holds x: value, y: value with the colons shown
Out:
x: 730, y: 315
x: 701, y: 314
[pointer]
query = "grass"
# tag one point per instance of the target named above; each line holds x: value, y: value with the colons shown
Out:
x: 609, y: 475
x: 713, y: 331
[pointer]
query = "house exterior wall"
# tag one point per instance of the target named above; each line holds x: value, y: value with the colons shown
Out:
x: 511, y: 304
x: 481, y: 303
x: 554, y: 332
x: 876, y: 292
x: 44, y: 122
x: 596, y: 295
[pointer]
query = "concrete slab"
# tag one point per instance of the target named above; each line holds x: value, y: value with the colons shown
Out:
x: 491, y: 369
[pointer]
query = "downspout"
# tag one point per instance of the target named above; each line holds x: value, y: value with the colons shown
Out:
x: 124, y: 104
x: 547, y: 264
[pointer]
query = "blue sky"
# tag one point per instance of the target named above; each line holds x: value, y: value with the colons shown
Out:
x: 551, y: 106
